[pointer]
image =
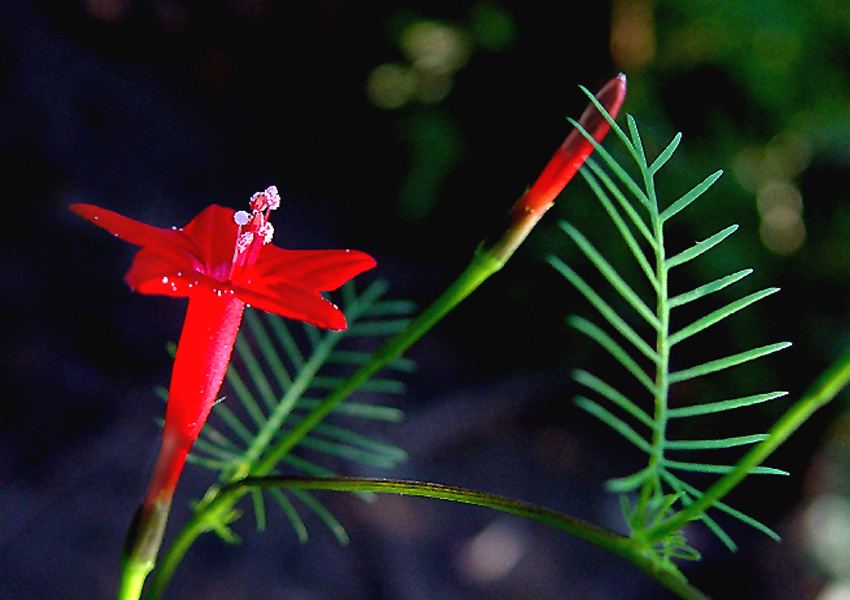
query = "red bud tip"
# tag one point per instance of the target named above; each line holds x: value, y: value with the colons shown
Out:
x: 574, y: 151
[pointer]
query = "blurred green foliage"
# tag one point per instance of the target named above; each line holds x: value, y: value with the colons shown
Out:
x: 758, y: 88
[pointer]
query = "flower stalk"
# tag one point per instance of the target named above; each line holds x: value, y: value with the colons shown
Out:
x: 221, y: 261
x: 490, y: 257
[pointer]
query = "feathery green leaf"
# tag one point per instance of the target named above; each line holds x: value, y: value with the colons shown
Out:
x: 605, y: 309
x: 604, y: 340
x: 631, y: 202
x: 666, y: 154
x: 611, y: 275
x: 279, y: 371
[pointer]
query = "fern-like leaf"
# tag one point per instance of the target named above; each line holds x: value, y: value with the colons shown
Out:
x: 280, y: 372
x: 638, y: 333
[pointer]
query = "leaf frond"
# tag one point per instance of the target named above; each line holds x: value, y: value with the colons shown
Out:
x: 630, y: 198
x: 616, y: 423
x: 278, y: 372
x: 695, y: 467
x: 685, y: 201
x: 603, y: 389
x: 631, y: 211
x: 665, y: 154
x: 691, y: 491
x: 611, y: 275
x: 731, y: 442
x: 621, y: 485
x: 615, y: 167
x: 325, y: 516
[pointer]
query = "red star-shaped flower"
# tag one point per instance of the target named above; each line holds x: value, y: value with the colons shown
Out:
x: 221, y: 261
x: 215, y: 253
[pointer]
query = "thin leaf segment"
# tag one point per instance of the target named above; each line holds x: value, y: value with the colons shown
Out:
x: 639, y: 218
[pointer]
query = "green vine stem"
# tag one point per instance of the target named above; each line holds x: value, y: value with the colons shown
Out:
x: 216, y: 509
x: 217, y: 506
x: 623, y: 546
x: 825, y: 388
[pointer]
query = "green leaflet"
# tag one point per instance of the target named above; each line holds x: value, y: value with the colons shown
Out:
x: 280, y: 370
x: 636, y: 331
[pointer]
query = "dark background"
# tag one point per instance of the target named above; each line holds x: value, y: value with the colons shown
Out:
x: 156, y: 109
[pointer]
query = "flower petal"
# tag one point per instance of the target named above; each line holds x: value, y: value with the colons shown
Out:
x: 323, y: 270
x: 294, y: 302
x: 181, y: 262
x: 162, y: 271
x: 213, y: 235
x: 130, y: 230
x: 156, y: 270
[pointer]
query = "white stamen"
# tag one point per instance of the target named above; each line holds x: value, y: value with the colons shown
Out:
x: 242, y: 218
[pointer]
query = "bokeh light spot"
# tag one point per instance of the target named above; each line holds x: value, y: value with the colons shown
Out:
x: 492, y: 554
x: 436, y: 47
x: 390, y: 85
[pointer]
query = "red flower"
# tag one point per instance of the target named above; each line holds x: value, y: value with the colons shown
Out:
x: 221, y: 261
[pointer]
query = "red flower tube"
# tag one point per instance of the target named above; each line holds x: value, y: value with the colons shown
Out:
x: 222, y: 260
x: 560, y: 169
x: 571, y: 155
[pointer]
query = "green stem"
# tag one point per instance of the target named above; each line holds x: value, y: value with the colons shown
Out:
x: 824, y: 389
x: 132, y: 580
x: 141, y: 547
x: 481, y: 267
x: 651, y: 489
x: 490, y: 256
x: 486, y: 261
x: 620, y: 545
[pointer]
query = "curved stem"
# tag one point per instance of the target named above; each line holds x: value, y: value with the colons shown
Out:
x: 626, y: 547
x: 482, y: 266
x: 210, y: 513
x: 489, y: 258
x: 219, y: 503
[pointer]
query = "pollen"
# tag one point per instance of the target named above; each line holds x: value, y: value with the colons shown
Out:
x: 273, y: 197
x: 266, y: 231
x: 242, y: 218
x: 266, y: 200
x: 243, y: 242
